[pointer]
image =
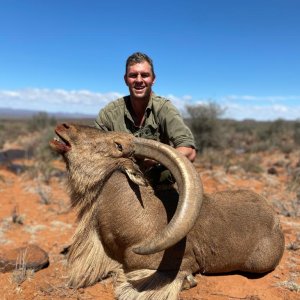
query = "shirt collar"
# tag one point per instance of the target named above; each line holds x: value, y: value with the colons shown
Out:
x: 127, y: 106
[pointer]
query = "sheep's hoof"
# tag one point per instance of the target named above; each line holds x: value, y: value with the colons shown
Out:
x: 189, y: 282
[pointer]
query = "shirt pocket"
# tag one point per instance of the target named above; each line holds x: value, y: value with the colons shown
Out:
x: 150, y: 132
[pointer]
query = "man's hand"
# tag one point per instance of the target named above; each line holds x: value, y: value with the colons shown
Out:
x: 188, y: 152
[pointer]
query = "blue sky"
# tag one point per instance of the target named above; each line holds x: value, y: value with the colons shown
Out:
x: 69, y: 55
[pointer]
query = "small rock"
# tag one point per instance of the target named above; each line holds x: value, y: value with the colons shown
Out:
x: 29, y: 257
x: 272, y: 171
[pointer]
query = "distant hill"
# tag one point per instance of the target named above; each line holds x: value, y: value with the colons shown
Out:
x: 10, y: 113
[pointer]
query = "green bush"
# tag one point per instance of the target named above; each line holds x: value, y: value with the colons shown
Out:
x: 10, y: 130
x: 40, y: 121
x: 205, y: 125
x: 251, y: 164
x: 43, y: 155
x: 296, y: 132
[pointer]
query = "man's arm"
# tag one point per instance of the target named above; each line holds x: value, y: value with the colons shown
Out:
x: 177, y: 131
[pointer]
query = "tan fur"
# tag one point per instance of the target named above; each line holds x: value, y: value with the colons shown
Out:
x: 87, y: 260
x: 148, y: 284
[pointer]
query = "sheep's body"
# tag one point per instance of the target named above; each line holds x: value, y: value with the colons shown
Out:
x: 235, y: 230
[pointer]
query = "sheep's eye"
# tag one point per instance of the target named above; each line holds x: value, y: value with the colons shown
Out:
x: 119, y: 147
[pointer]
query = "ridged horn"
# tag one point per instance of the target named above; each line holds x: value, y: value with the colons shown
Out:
x: 190, y: 194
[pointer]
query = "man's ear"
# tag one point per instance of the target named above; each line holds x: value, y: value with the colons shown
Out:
x: 125, y: 79
x: 154, y: 78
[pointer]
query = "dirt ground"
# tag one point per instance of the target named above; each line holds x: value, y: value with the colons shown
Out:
x: 35, y: 213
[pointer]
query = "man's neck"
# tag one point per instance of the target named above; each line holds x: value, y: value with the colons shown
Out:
x: 139, y: 106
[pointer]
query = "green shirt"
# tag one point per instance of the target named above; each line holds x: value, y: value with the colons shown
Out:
x: 162, y: 121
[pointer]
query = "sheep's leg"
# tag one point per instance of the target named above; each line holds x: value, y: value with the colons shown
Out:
x: 267, y: 253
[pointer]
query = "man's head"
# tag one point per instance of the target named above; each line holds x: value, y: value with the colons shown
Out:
x: 139, y: 76
x: 139, y: 57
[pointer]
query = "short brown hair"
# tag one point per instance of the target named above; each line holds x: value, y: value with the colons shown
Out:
x: 139, y: 57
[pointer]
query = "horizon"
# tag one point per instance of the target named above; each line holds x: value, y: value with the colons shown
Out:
x: 69, y: 56
x: 20, y: 114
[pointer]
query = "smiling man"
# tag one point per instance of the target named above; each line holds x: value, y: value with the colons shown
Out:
x: 145, y: 114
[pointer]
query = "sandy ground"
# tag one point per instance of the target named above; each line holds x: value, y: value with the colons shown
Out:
x: 42, y: 216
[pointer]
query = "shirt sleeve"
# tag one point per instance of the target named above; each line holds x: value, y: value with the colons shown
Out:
x: 174, y: 127
x: 103, y: 121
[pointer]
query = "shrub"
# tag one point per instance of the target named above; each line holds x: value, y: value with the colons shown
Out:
x: 10, y: 130
x: 296, y: 132
x: 40, y: 121
x: 43, y: 156
x: 2, y: 139
x: 205, y: 125
x: 251, y: 164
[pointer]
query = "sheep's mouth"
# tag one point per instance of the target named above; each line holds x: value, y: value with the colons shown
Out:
x: 60, y: 144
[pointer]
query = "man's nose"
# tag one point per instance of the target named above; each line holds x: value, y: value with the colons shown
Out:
x: 139, y: 77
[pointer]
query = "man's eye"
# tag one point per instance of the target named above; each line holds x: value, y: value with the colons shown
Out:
x: 145, y: 75
x: 132, y: 75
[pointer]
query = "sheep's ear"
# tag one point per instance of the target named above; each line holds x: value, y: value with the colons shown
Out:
x: 134, y: 173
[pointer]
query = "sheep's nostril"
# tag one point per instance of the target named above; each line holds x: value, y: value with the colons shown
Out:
x: 66, y: 125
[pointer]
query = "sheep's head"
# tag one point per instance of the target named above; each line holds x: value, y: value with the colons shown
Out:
x: 91, y: 155
x: 90, y: 140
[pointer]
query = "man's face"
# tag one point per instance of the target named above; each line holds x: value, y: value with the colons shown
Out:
x: 139, y: 79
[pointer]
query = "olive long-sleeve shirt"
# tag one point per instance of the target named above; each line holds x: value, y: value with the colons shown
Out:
x: 163, y: 121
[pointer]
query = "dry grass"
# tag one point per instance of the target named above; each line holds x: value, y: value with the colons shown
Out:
x: 294, y: 245
x: 290, y: 208
x: 291, y: 285
x: 62, y: 291
x: 21, y: 273
x: 234, y: 162
x: 16, y: 217
x: 44, y: 194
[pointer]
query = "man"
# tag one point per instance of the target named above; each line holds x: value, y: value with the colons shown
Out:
x: 145, y: 114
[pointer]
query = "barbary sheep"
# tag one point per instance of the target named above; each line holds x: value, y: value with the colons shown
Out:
x: 152, y: 240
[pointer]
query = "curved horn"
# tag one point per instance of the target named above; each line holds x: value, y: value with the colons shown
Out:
x: 190, y: 194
